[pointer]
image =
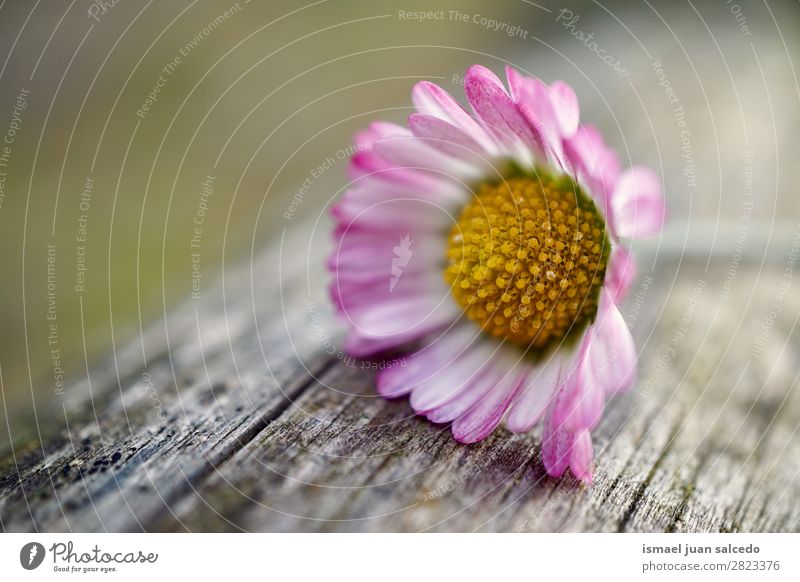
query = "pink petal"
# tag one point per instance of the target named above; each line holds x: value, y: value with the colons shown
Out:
x: 481, y: 385
x: 358, y: 250
x: 620, y: 274
x: 588, y: 151
x: 594, y: 164
x: 499, y: 365
x: 369, y: 167
x: 477, y: 423
x: 410, y: 151
x: 566, y: 107
x: 426, y: 362
x: 366, y: 346
x: 430, y: 99
x: 611, y: 357
x: 377, y: 130
x: 534, y: 101
x: 373, y: 190
x: 352, y: 295
x: 498, y: 114
x: 378, y: 327
x: 353, y: 280
x: 359, y: 210
x: 398, y: 315
x: 584, y: 399
x: 637, y: 204
x: 556, y: 447
x: 580, y: 461
x: 536, y: 395
x: 448, y: 138
x: 452, y: 378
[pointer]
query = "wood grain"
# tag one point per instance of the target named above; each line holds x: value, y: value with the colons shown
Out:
x: 261, y: 429
x: 236, y: 412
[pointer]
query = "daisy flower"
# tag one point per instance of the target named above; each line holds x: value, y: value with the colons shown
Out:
x: 485, y: 248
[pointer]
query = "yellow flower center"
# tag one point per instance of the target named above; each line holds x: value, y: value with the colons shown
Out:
x: 527, y: 259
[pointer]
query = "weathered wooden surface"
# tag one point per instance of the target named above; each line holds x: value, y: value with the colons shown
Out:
x: 239, y: 418
x: 261, y: 429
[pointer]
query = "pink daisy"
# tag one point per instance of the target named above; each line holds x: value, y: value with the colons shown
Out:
x: 485, y: 248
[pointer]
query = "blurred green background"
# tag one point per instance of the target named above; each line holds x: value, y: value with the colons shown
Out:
x: 256, y: 95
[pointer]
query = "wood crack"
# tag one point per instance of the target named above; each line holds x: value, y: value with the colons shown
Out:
x: 638, y: 496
